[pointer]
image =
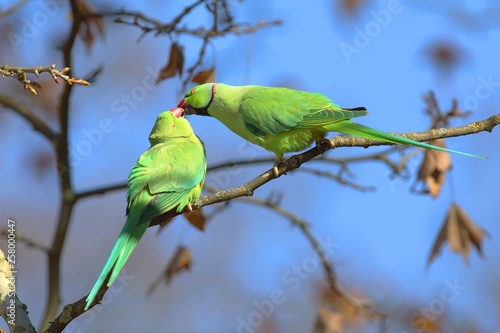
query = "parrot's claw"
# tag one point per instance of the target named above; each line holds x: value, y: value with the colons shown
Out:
x: 327, y: 141
x: 276, y: 164
x: 189, y: 207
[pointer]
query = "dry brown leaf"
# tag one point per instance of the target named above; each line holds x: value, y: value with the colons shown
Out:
x: 174, y: 65
x: 196, y: 218
x: 89, y: 24
x: 180, y: 261
x: 328, y: 321
x: 458, y: 238
x: 434, y: 167
x: 204, y: 76
x: 460, y: 232
x: 476, y: 233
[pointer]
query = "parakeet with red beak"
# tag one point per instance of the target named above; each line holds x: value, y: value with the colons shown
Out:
x: 283, y: 120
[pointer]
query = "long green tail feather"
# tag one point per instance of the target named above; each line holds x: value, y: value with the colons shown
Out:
x: 352, y: 128
x: 130, y: 235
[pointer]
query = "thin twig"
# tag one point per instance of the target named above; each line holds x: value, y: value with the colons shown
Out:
x: 337, y: 177
x: 100, y: 190
x: 38, y: 124
x: 233, y: 163
x: 19, y: 73
x: 438, y: 117
x: 27, y: 241
x: 173, y: 28
x: 149, y: 25
x: 190, y: 70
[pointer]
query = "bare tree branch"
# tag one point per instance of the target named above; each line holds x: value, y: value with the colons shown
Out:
x: 38, y: 124
x: 68, y: 197
x: 19, y: 73
x: 339, y: 178
x: 100, y: 191
x: 70, y: 312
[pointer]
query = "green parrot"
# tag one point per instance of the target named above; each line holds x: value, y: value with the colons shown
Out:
x: 169, y: 175
x: 283, y: 120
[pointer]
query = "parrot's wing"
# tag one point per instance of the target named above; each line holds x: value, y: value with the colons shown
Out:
x: 276, y: 110
x: 329, y: 115
x: 168, y: 172
x: 163, y: 202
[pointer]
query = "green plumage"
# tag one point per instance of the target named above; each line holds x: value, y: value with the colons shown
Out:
x: 169, y: 175
x: 283, y: 120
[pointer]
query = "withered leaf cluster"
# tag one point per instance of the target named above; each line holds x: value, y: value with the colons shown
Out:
x: 460, y: 231
x: 175, y: 66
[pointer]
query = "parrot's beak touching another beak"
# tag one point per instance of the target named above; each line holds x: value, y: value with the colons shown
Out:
x: 182, y: 104
x: 179, y: 110
x: 188, y: 109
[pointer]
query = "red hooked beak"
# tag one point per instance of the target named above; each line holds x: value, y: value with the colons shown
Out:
x: 188, y: 109
x: 182, y: 104
x: 179, y: 110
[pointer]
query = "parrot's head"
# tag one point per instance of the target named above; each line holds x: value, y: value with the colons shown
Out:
x: 198, y: 99
x: 168, y: 125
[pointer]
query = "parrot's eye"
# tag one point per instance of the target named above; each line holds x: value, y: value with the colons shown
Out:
x: 193, y: 91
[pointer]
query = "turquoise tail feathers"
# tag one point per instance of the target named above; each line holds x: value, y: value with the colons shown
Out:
x: 352, y: 128
x: 129, y: 236
x: 115, y: 253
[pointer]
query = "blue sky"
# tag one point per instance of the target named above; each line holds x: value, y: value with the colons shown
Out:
x: 382, y: 238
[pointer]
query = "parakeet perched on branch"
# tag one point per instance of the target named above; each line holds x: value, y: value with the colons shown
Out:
x: 283, y: 120
x: 169, y: 175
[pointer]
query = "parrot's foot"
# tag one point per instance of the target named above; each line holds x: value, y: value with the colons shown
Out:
x: 277, y: 163
x: 189, y: 207
x: 327, y: 141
